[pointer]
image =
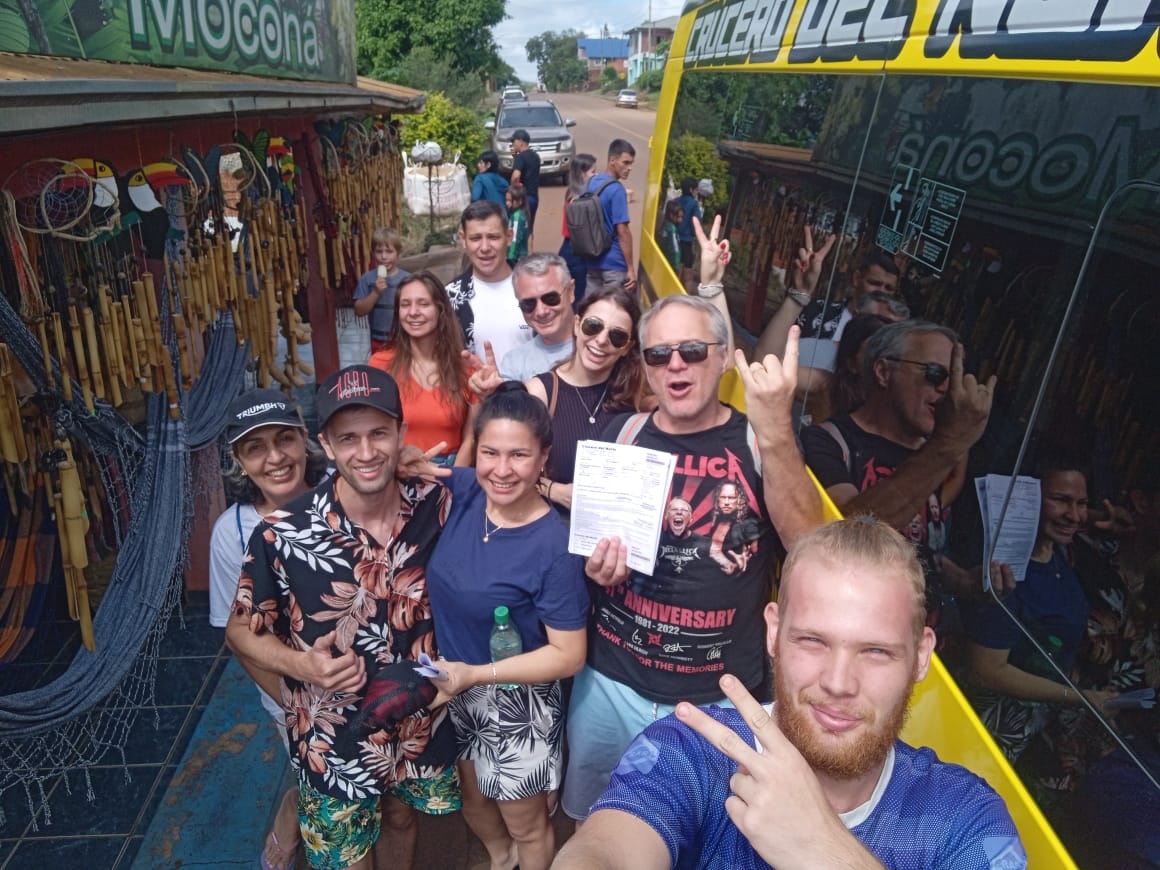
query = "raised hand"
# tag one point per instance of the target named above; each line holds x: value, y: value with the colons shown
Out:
x: 715, y: 254
x: 608, y: 564
x: 963, y: 414
x: 769, y: 388
x: 809, y: 263
x: 414, y: 462
x: 323, y: 666
x: 786, y: 833
x: 486, y: 379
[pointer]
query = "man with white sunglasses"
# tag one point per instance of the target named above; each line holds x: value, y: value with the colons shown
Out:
x: 659, y: 639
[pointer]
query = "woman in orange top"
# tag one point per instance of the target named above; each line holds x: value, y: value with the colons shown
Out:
x: 424, y: 355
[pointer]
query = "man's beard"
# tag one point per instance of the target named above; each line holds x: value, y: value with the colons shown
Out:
x: 847, y: 762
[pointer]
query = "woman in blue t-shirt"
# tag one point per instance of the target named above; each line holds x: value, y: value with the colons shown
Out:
x: 1014, y: 688
x: 503, y: 545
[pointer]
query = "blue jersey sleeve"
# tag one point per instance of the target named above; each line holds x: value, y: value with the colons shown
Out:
x: 614, y: 201
x: 664, y: 779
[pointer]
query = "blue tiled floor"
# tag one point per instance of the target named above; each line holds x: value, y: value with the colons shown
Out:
x: 205, y: 767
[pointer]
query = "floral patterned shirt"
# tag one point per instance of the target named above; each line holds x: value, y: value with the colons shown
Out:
x: 309, y: 570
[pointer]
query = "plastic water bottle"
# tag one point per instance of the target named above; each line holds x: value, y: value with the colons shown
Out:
x: 505, y: 640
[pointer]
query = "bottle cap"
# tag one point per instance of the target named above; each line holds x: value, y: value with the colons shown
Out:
x: 502, y: 617
x: 1054, y: 642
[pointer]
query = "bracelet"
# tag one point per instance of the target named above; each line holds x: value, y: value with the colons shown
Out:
x: 550, y: 482
x: 708, y: 291
x: 801, y: 297
x: 1066, y: 694
x: 494, y: 678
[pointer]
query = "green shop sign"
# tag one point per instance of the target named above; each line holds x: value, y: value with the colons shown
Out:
x: 301, y: 39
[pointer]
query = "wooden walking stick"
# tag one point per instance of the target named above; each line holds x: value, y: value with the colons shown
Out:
x: 58, y: 339
x: 79, y: 357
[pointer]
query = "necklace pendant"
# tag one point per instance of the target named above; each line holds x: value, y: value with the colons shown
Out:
x: 486, y: 538
x: 592, y: 420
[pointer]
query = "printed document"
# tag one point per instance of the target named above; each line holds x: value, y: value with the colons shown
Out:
x: 1014, y: 543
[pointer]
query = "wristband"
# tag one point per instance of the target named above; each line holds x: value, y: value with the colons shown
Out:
x: 801, y: 297
x: 708, y: 291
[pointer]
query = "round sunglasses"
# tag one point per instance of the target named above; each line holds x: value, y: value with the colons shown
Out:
x: 690, y: 352
x: 617, y: 337
x: 936, y: 374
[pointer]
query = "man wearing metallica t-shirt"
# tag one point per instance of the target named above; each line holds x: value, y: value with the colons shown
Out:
x: 656, y: 640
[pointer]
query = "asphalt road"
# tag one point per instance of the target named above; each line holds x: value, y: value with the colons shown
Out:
x: 598, y: 122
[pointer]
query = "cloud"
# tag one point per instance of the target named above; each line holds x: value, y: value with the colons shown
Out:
x: 528, y: 18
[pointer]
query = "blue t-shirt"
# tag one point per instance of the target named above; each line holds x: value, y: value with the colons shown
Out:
x: 490, y: 186
x: 383, y: 314
x: 527, y: 569
x: 926, y: 814
x: 614, y: 201
x: 692, y: 209
x: 1047, y: 605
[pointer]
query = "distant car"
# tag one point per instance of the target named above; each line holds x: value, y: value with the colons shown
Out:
x: 513, y: 94
x: 627, y: 99
x: 548, y: 132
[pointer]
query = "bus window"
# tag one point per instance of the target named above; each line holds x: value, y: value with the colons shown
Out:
x: 1085, y: 621
x: 977, y: 197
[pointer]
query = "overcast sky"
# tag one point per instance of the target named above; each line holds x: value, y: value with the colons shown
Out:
x: 528, y: 18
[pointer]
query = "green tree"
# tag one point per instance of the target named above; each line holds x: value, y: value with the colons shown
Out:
x: 696, y: 157
x: 557, y: 64
x: 423, y: 70
x: 609, y: 79
x: 454, y: 127
x: 387, y: 32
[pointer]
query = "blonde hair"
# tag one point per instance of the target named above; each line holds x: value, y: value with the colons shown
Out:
x: 389, y: 237
x: 862, y: 541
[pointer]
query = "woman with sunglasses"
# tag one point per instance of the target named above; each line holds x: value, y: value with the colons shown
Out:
x: 272, y: 462
x: 503, y: 546
x: 601, y: 379
x: 424, y: 356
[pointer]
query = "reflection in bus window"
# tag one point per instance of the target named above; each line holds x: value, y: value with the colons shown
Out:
x: 982, y: 193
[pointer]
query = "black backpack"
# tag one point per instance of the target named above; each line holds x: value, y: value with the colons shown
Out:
x: 586, y: 226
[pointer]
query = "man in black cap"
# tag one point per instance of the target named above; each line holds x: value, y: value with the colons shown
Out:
x: 333, y: 587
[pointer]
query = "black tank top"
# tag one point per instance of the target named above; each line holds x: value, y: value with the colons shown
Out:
x: 574, y: 405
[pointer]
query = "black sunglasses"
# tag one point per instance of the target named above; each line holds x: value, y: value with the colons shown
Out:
x: 552, y: 298
x: 617, y: 337
x: 690, y: 351
x: 936, y: 374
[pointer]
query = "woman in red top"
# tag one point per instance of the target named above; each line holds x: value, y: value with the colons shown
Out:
x: 424, y: 355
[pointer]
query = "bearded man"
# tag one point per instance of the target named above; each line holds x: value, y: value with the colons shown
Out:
x: 820, y: 779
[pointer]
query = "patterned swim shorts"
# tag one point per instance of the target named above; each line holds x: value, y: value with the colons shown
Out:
x: 436, y: 795
x: 336, y: 832
x: 514, y: 737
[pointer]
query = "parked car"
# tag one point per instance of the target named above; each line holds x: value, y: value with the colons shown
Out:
x: 627, y: 99
x: 547, y: 129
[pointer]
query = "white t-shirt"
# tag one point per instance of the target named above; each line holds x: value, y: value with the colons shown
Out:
x: 227, y: 546
x: 498, y: 318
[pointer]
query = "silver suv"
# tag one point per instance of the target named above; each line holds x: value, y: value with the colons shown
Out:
x: 548, y: 131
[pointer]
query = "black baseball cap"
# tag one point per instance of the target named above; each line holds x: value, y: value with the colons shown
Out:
x: 354, y: 386
x: 256, y: 408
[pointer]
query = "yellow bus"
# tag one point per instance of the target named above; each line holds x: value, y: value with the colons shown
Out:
x: 1006, y: 155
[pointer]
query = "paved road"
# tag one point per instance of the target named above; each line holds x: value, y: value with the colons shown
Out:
x: 598, y: 122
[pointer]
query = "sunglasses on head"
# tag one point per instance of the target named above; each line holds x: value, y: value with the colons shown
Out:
x: 552, y: 298
x: 617, y: 337
x: 690, y: 351
x: 936, y: 374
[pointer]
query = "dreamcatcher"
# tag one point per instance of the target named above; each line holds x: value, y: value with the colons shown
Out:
x: 50, y: 196
x: 240, y: 171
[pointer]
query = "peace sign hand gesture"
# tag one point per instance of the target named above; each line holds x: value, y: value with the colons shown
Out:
x: 486, y: 379
x: 715, y: 255
x: 787, y: 834
x: 809, y: 263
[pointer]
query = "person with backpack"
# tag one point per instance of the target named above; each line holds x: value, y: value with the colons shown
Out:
x: 581, y: 171
x: 659, y: 639
x: 609, y: 257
